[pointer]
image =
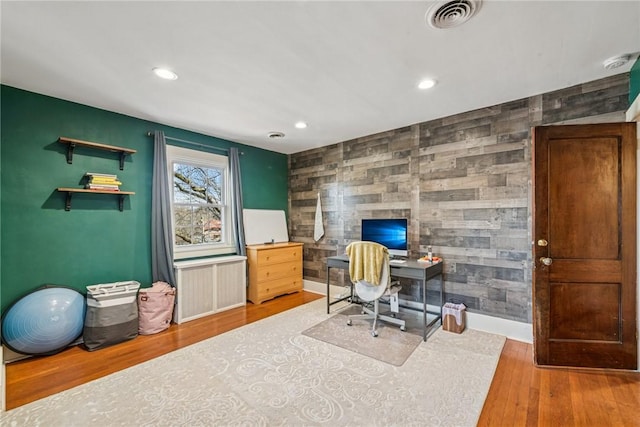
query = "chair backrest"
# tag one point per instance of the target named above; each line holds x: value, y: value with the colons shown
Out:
x: 371, y: 292
x: 369, y: 257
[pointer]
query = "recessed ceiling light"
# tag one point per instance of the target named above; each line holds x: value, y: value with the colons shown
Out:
x: 163, y: 73
x: 301, y: 125
x: 426, y: 84
x: 275, y: 135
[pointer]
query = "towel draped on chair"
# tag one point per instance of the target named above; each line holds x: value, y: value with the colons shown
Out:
x: 371, y: 276
x: 366, y: 260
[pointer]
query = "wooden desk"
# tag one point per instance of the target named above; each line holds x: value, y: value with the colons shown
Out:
x: 422, y: 271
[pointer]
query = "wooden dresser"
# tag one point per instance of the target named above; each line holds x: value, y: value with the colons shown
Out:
x: 274, y: 269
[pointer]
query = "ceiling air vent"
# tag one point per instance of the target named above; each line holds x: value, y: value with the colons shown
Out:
x: 275, y: 135
x: 616, y: 62
x: 449, y: 14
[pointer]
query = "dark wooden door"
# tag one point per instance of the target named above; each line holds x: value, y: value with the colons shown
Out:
x: 584, y: 245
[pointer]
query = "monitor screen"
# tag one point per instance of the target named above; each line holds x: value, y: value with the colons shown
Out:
x: 391, y: 233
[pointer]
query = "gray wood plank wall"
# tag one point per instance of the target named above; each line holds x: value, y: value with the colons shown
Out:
x: 464, y: 183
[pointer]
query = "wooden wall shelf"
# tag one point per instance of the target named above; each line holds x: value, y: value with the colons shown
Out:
x: 70, y: 191
x: 73, y: 143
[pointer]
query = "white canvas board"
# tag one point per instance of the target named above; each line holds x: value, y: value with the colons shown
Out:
x: 264, y: 226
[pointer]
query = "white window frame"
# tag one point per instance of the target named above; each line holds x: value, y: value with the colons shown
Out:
x: 201, y: 158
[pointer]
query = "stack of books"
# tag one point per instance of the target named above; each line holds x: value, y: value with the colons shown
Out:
x: 102, y: 182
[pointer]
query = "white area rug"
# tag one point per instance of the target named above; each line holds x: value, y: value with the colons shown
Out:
x: 269, y: 374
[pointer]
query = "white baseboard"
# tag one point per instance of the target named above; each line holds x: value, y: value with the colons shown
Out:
x: 511, y: 329
x: 519, y: 331
x: 318, y: 287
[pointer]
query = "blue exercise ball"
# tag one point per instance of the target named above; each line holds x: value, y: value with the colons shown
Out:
x: 45, y: 321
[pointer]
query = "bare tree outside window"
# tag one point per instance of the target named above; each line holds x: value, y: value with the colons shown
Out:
x: 198, y: 201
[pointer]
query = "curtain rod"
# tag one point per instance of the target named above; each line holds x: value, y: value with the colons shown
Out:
x: 211, y: 147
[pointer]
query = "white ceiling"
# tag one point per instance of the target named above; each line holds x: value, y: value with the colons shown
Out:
x: 348, y: 68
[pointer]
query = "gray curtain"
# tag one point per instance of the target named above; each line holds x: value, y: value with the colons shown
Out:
x: 236, y: 205
x: 161, y: 229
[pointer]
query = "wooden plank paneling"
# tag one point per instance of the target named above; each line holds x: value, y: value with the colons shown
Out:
x: 463, y: 182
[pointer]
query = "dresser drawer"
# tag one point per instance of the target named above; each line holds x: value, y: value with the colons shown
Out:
x: 277, y: 271
x: 278, y: 255
x: 274, y: 288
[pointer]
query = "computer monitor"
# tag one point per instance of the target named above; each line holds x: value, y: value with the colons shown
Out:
x: 389, y: 232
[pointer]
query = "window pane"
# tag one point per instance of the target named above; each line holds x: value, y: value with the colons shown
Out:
x: 183, y: 225
x: 197, y: 182
x: 209, y: 224
x: 214, y: 186
x: 197, y: 185
x: 181, y: 187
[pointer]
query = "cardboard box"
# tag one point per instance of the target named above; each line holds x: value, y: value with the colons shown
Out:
x: 453, y: 317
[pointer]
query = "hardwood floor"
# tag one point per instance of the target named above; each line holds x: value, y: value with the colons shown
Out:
x: 524, y: 395
x: 520, y: 394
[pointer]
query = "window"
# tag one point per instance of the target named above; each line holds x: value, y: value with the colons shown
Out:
x: 200, y: 205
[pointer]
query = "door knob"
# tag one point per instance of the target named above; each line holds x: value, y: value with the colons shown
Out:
x: 542, y: 242
x: 546, y: 261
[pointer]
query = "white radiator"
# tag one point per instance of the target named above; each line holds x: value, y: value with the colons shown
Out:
x: 207, y: 286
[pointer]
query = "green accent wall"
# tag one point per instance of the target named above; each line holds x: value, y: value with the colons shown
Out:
x: 94, y: 242
x: 634, y: 81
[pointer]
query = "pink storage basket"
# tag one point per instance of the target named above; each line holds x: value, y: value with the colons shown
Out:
x: 155, y: 308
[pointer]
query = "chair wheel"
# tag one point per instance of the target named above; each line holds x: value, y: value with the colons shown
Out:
x: 349, y: 322
x: 403, y: 328
x: 374, y: 333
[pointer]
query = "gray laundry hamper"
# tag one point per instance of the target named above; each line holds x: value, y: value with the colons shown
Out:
x: 112, y: 314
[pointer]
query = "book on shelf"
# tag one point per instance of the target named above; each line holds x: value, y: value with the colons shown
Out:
x: 102, y: 187
x: 102, y: 175
x: 109, y: 181
x: 102, y: 182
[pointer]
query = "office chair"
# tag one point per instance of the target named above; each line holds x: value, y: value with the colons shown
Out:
x: 371, y: 277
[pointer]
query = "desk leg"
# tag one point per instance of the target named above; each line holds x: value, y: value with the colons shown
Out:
x: 328, y: 289
x: 441, y: 298
x: 340, y: 298
x: 424, y: 307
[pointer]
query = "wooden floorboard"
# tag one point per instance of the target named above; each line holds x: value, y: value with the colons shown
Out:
x: 521, y: 394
